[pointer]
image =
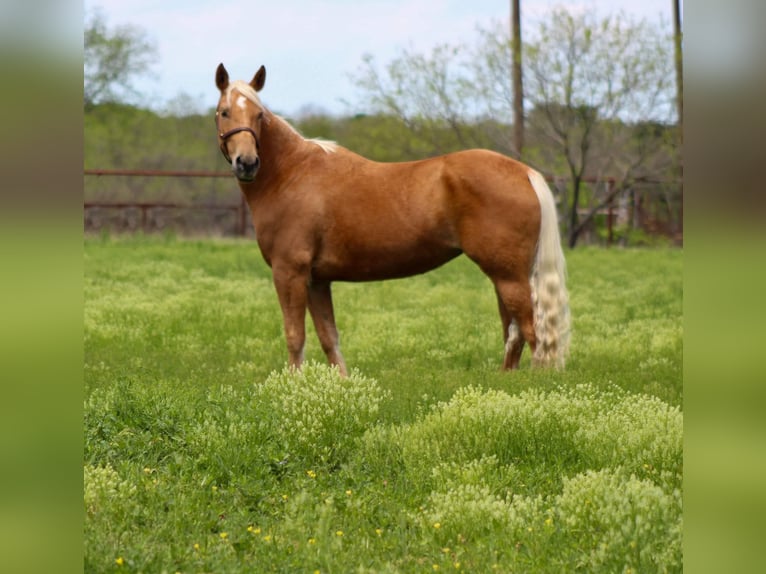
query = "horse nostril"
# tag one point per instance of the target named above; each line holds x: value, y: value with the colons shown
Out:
x: 247, y: 164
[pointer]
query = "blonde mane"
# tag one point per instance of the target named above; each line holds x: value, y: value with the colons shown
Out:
x: 328, y: 146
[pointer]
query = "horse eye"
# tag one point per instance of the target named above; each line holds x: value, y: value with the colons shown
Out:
x: 225, y: 113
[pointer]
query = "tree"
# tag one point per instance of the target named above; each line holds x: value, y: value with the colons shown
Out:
x: 588, y: 83
x: 587, y: 79
x: 113, y: 59
x: 426, y: 92
x: 679, y: 87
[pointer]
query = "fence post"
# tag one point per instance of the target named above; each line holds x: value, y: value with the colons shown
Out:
x: 243, y: 216
x: 610, y: 216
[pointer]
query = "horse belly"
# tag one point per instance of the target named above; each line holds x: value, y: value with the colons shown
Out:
x: 372, y: 258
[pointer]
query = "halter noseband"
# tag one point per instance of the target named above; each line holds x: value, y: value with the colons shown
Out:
x: 225, y: 135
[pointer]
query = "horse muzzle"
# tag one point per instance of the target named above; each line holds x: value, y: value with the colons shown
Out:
x: 245, y: 167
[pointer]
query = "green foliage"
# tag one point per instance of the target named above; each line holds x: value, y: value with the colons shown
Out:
x: 203, y: 454
x: 122, y: 136
x: 113, y: 58
x: 565, y: 430
x: 624, y: 524
x: 634, y: 237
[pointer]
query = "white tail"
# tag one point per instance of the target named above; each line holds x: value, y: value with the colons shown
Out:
x: 548, y: 281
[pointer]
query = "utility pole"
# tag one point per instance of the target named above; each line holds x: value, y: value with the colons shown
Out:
x: 679, y: 98
x: 679, y: 62
x: 518, y: 91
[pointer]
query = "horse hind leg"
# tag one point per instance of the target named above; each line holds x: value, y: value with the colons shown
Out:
x: 514, y: 345
x: 514, y: 300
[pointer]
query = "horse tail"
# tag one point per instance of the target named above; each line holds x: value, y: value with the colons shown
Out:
x: 548, y: 281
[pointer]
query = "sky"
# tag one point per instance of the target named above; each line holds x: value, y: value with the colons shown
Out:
x: 310, y: 47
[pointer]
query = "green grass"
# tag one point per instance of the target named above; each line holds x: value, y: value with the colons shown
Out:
x: 203, y: 455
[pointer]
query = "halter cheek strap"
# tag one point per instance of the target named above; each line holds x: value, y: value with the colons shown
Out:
x: 225, y: 135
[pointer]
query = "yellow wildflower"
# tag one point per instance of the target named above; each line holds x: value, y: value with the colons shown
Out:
x: 437, y: 525
x: 224, y: 535
x: 311, y: 474
x: 119, y: 561
x: 339, y: 533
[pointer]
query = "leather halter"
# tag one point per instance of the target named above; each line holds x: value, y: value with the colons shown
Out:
x: 225, y: 135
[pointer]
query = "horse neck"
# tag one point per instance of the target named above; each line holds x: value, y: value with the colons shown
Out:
x: 281, y: 143
x: 282, y: 150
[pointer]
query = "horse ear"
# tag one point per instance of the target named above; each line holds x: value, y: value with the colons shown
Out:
x: 221, y: 78
x: 259, y: 79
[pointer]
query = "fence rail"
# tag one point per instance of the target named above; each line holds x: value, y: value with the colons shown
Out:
x: 158, y: 172
x: 239, y: 209
x: 154, y: 214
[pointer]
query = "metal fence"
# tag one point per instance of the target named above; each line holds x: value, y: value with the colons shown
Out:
x: 223, y: 218
x: 652, y: 208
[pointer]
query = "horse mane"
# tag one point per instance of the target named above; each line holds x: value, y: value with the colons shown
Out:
x: 247, y: 90
x: 327, y: 146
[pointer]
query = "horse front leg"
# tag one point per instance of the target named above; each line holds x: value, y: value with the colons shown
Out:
x: 320, y: 307
x: 292, y: 290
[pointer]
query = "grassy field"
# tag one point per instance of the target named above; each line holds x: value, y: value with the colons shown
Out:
x: 203, y: 455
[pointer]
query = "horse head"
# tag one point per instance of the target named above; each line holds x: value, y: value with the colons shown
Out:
x: 238, y: 119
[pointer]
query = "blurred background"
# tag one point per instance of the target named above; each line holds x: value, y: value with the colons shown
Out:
x: 589, y: 95
x: 52, y: 130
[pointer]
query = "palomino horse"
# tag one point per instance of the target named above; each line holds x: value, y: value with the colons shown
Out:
x: 323, y: 213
